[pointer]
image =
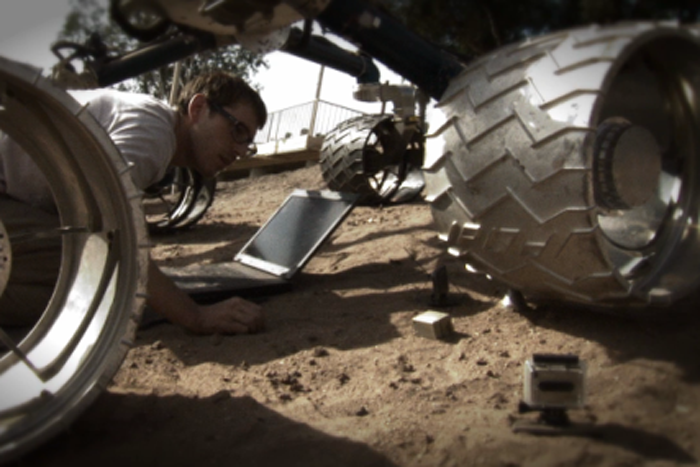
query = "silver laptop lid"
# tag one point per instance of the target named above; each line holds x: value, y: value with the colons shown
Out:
x: 289, y: 238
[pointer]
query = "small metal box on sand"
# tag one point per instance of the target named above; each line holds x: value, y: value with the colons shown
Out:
x: 433, y: 325
x: 554, y: 381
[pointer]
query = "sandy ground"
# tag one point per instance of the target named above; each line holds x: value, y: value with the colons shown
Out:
x: 340, y: 378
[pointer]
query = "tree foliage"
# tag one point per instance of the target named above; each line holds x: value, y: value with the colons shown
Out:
x: 89, y: 22
x: 472, y: 27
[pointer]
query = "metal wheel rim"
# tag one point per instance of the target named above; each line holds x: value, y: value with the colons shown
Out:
x: 203, y: 199
x: 387, y: 182
x: 179, y: 204
x: 170, y: 203
x: 384, y: 182
x: 653, y: 244
x: 68, y: 357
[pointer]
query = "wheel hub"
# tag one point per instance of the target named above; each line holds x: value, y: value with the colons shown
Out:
x: 628, y: 165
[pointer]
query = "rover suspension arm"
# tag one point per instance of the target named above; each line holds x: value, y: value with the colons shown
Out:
x: 378, y: 34
x: 390, y: 42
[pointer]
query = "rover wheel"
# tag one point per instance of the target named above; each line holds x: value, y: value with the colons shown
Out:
x: 204, y: 189
x: 567, y: 166
x: 50, y: 372
x: 351, y: 161
x: 178, y: 201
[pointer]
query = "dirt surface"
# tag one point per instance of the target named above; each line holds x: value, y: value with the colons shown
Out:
x: 340, y: 378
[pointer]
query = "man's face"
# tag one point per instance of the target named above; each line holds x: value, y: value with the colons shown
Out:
x: 222, y: 135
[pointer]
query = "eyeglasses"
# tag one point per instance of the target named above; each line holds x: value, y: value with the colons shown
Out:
x: 239, y: 132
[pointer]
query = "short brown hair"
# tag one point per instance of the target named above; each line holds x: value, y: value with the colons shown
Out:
x: 223, y: 88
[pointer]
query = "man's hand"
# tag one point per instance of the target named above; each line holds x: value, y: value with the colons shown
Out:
x: 232, y: 316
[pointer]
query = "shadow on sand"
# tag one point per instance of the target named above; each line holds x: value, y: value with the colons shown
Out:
x: 149, y: 430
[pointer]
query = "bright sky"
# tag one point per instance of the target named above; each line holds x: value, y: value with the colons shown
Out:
x: 28, y: 27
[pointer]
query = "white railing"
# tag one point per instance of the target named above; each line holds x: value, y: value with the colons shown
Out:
x: 315, y: 118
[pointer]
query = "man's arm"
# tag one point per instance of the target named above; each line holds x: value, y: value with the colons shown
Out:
x: 232, y: 316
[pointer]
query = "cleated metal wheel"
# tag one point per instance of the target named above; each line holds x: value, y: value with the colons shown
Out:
x: 365, y: 155
x: 178, y: 201
x: 52, y: 371
x: 567, y: 166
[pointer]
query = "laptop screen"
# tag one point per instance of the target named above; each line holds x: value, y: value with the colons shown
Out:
x: 295, y: 231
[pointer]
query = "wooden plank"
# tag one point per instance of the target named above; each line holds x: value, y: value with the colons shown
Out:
x: 270, y: 161
x: 302, y: 149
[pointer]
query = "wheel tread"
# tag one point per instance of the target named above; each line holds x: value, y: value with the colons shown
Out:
x: 525, y: 238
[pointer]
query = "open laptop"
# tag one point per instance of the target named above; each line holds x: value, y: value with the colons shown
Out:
x: 277, y: 251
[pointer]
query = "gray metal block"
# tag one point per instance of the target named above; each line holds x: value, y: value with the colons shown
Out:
x: 433, y: 325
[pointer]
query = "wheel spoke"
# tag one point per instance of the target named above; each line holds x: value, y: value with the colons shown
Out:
x: 77, y: 327
x: 30, y: 236
x: 14, y: 349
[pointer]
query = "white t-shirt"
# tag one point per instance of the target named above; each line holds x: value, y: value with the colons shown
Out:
x: 141, y: 127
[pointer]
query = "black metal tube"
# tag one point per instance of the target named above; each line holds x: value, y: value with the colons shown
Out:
x: 390, y: 42
x: 322, y: 51
x: 150, y: 58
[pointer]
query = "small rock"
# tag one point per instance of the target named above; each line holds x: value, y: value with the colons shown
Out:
x: 320, y: 352
x: 157, y: 345
x: 362, y: 412
x: 482, y: 362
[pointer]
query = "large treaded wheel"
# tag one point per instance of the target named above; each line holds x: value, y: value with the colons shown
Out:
x: 533, y: 174
x: 52, y: 372
x: 349, y: 161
